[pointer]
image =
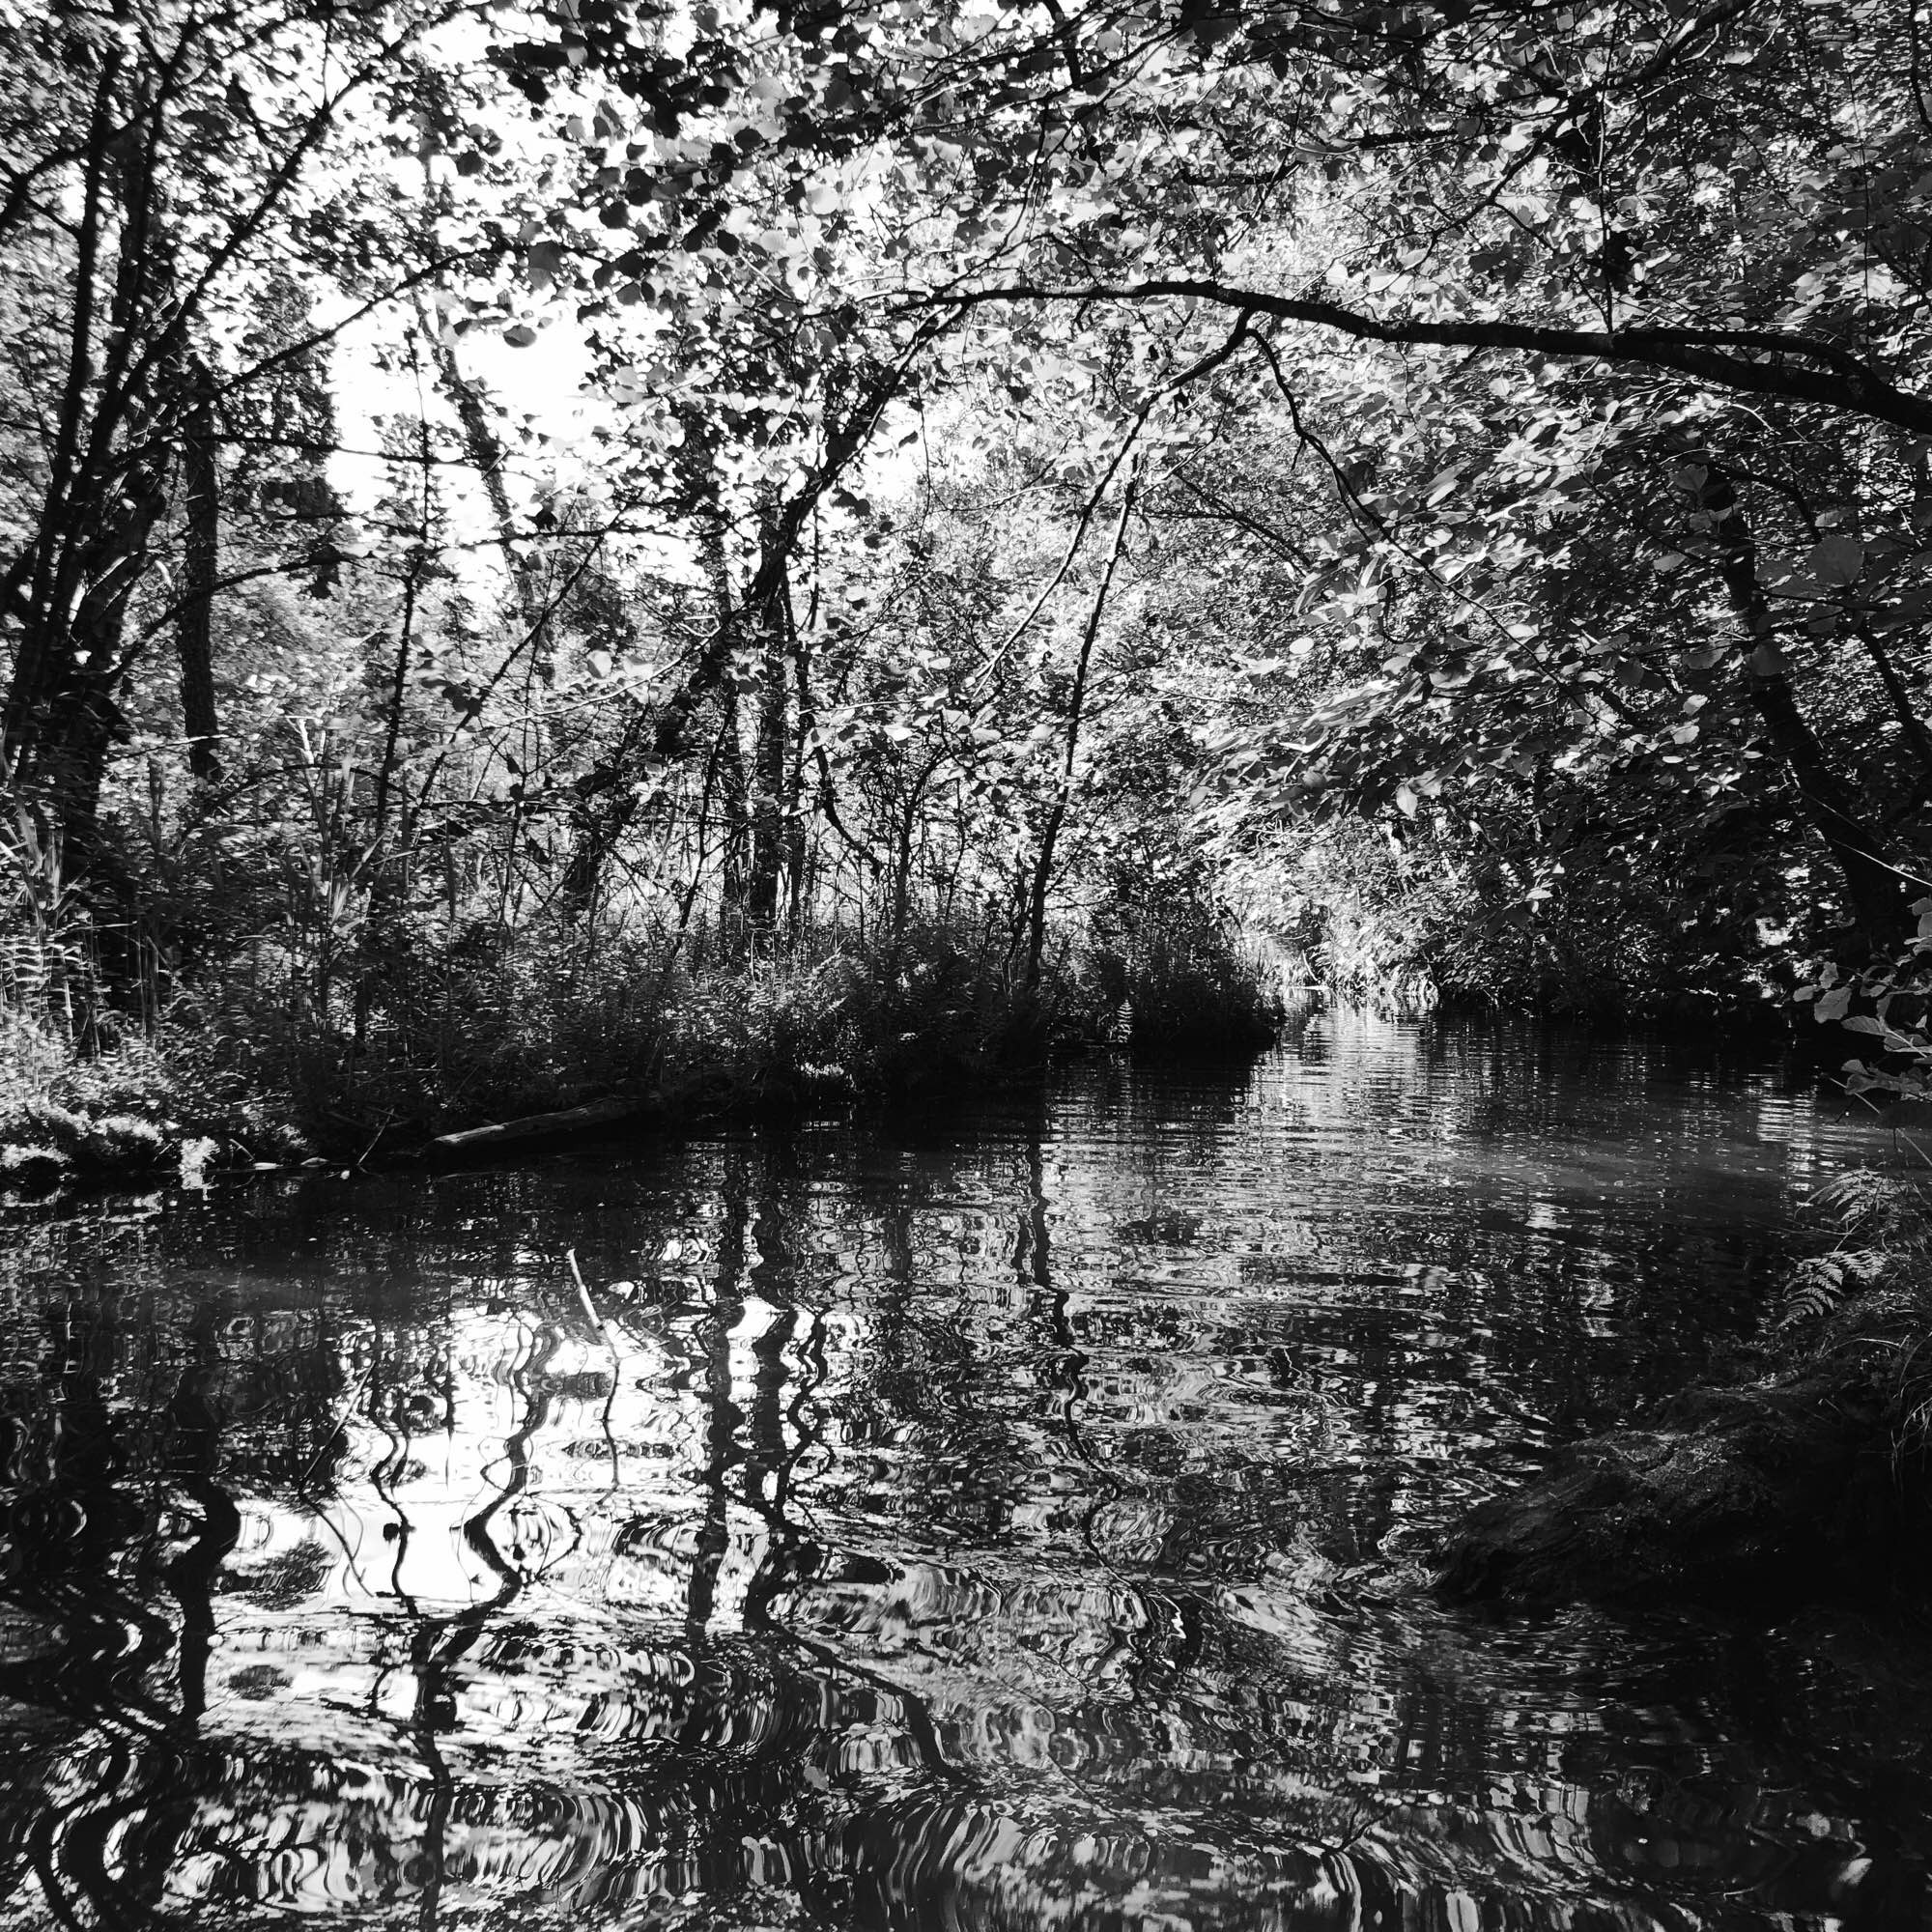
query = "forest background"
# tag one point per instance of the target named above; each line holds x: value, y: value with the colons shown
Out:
x: 1074, y: 518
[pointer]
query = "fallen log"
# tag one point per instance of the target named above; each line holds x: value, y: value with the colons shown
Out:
x: 593, y: 1116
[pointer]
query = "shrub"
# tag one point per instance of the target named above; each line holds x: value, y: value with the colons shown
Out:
x: 1170, y: 969
x: 110, y: 1105
x: 1863, y: 1308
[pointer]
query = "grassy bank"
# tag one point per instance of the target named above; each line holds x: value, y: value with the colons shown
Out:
x: 277, y: 1060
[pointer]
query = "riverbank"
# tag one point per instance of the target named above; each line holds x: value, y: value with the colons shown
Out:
x: 1789, y: 1486
x: 1811, y: 1477
x: 752, y: 1038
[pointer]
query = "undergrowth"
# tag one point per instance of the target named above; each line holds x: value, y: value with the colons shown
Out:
x: 361, y: 1017
x: 1863, y: 1306
x: 422, y: 1038
x: 1176, y: 975
x: 61, y: 1107
x: 1403, y: 924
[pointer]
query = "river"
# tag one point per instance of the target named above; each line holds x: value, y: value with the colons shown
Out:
x: 1008, y: 1519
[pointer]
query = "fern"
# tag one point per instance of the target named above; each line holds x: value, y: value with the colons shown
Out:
x: 1819, y: 1284
x: 1877, y: 1207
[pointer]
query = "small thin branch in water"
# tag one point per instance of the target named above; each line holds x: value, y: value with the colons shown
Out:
x: 597, y: 1322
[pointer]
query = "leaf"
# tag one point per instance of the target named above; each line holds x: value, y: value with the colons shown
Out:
x: 545, y: 257
x: 1831, y: 1005
x: 1836, y: 560
x: 1821, y: 1282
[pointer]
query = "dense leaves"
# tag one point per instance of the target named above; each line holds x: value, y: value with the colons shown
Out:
x: 1449, y: 479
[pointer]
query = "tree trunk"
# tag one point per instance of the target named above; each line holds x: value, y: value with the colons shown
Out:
x: 606, y: 798
x: 201, y: 504
x: 771, y: 769
x: 109, y: 457
x: 45, y: 661
x: 1875, y: 888
x: 603, y: 804
x: 734, y: 874
x: 70, y: 765
x: 900, y: 906
x: 733, y: 790
x: 68, y: 713
x: 1055, y: 817
x: 796, y: 846
x: 486, y: 457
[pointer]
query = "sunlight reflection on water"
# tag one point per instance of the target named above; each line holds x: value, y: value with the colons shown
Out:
x: 1008, y: 1520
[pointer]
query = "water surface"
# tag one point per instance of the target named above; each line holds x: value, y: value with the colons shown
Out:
x: 1008, y: 1519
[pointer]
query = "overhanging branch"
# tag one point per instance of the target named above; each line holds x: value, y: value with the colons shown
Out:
x: 1765, y: 362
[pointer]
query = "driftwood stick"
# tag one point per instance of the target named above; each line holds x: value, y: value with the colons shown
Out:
x: 596, y: 1320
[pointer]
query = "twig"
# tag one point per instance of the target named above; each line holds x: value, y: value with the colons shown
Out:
x: 597, y: 1322
x: 341, y: 1423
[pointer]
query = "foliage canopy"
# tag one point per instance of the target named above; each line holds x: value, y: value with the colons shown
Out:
x: 1448, y: 479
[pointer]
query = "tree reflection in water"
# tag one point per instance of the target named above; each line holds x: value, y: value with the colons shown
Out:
x: 1006, y: 1533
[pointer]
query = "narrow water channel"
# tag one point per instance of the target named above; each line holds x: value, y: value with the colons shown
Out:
x: 1009, y: 1520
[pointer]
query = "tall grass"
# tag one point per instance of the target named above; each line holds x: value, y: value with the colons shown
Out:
x: 1192, y: 986
x: 439, y: 1025
x: 350, y: 1004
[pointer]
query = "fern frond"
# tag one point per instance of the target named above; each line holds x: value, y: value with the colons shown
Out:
x: 1819, y: 1284
x: 1879, y: 1208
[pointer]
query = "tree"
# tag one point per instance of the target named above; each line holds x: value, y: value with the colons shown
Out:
x: 1665, y: 201
x: 171, y: 158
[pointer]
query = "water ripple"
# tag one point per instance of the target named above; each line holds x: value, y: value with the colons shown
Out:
x: 1012, y: 1526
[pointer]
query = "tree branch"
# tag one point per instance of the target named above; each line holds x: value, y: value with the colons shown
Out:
x: 1796, y: 368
